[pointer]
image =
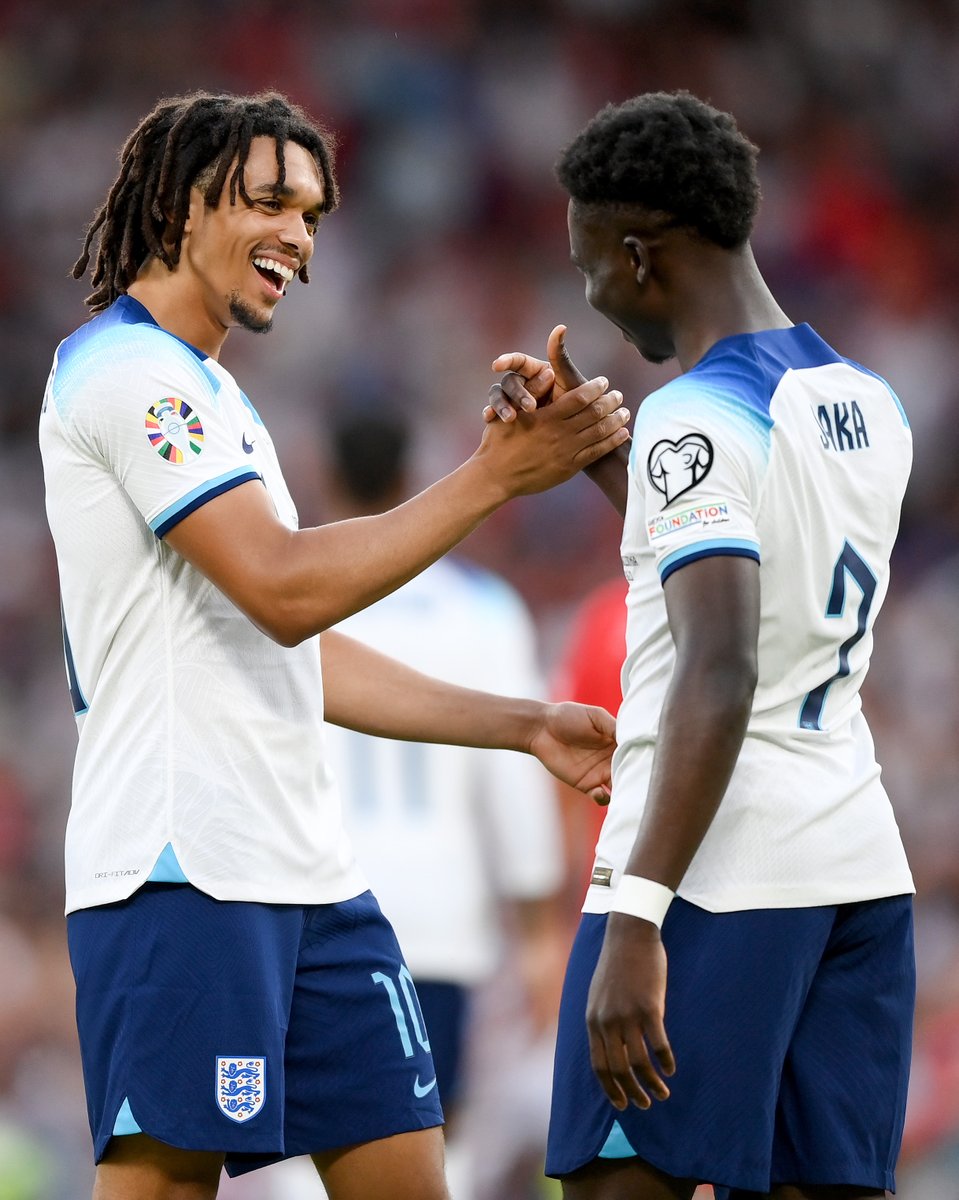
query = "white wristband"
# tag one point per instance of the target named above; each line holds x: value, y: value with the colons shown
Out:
x: 644, y: 898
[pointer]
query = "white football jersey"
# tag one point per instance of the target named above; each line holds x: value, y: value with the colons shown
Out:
x: 773, y: 447
x: 444, y: 831
x: 200, y: 739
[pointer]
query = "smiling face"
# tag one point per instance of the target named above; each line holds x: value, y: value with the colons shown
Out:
x: 237, y: 259
x: 614, y: 260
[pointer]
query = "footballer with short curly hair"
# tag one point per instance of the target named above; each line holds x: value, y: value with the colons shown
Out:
x: 749, y: 840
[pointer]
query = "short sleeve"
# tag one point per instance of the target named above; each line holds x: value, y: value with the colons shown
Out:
x: 150, y: 409
x: 698, y: 460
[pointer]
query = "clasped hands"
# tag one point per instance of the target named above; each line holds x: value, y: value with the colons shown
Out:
x: 529, y: 383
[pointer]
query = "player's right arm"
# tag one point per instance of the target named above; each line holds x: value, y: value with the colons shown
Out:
x: 295, y: 583
x: 699, y: 469
x: 528, y: 380
x: 376, y: 694
x: 701, y: 731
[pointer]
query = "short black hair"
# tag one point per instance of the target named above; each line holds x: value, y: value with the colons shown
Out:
x: 189, y: 141
x: 369, y: 449
x: 668, y: 153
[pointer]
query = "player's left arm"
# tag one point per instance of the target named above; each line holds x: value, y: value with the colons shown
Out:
x: 372, y: 693
x: 713, y: 611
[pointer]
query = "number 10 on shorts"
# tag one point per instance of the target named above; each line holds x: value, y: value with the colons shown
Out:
x: 412, y: 1009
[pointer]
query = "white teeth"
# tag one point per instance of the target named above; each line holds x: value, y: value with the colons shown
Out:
x: 268, y: 264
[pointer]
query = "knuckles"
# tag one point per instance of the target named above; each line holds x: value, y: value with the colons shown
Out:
x: 513, y: 385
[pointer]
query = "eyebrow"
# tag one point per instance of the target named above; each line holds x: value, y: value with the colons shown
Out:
x: 271, y: 189
x: 280, y: 191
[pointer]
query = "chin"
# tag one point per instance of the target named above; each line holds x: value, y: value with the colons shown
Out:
x: 657, y: 357
x: 248, y: 317
x: 651, y: 354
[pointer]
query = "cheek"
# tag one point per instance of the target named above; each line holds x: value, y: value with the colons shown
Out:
x: 594, y: 290
x: 599, y: 296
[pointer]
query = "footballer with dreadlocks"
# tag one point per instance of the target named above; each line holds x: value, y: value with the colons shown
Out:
x: 749, y: 839
x: 240, y: 997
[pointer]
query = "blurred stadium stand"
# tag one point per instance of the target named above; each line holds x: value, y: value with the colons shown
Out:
x: 449, y: 248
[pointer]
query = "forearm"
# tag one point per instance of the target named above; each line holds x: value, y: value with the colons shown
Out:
x: 375, y: 694
x: 295, y: 583
x: 335, y: 570
x: 610, y: 474
x: 702, y: 726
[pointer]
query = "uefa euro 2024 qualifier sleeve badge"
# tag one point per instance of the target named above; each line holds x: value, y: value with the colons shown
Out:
x: 174, y: 430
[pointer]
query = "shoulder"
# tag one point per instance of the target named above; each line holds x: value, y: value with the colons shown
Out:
x: 111, y: 353
x: 733, y: 385
x: 729, y: 385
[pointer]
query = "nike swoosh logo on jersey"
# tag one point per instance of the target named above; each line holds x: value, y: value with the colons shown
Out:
x: 247, y: 446
x: 420, y: 1090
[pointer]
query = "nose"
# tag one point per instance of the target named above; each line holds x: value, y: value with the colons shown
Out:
x: 298, y: 236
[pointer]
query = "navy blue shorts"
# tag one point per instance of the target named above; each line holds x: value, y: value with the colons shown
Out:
x: 258, y: 1030
x: 446, y: 1009
x: 792, y: 1031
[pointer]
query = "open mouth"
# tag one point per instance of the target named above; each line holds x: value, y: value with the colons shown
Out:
x: 275, y: 274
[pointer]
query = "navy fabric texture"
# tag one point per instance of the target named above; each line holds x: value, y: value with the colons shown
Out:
x: 445, y: 1010
x: 792, y: 1032
x: 195, y: 1009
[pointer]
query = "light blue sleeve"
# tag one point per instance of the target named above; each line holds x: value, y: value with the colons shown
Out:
x: 143, y: 403
x: 699, y: 456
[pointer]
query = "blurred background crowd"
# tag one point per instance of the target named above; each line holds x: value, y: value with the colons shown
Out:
x: 449, y: 248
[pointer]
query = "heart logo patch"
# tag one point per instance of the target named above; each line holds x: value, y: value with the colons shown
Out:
x: 675, y: 467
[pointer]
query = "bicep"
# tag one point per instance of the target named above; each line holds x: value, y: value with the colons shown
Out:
x: 371, y: 692
x: 712, y: 606
x: 239, y: 543
x: 349, y: 680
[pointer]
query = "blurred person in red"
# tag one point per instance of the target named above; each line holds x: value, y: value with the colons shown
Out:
x: 590, y: 670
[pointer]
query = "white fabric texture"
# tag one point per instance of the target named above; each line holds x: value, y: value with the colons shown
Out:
x: 195, y: 729
x: 776, y: 448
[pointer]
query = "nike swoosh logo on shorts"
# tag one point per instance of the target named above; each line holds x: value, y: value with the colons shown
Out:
x: 420, y: 1090
x: 247, y: 446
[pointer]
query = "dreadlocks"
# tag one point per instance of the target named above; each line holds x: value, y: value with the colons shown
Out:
x: 188, y: 141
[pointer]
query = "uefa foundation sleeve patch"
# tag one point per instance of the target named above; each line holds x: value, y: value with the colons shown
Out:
x: 174, y: 430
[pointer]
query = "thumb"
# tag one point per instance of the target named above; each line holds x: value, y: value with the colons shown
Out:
x: 567, y: 374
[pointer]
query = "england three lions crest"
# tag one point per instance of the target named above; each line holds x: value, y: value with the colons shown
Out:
x: 240, y: 1086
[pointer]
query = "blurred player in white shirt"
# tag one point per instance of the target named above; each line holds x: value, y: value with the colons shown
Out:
x: 450, y: 850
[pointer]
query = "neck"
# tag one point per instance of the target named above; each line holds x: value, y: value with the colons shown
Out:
x: 164, y: 294
x: 730, y: 297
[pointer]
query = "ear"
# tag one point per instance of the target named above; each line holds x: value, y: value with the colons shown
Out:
x: 195, y: 211
x: 638, y: 253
